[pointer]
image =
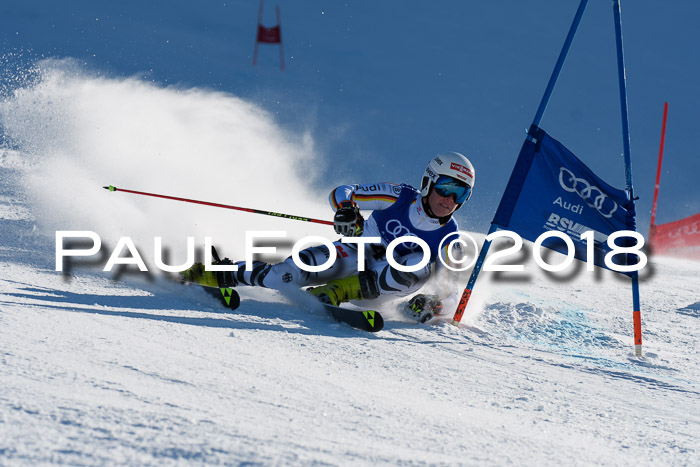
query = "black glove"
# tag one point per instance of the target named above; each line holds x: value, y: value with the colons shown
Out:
x: 347, y: 220
x: 423, y: 307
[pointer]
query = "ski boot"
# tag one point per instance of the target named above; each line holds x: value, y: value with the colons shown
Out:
x: 218, y: 284
x: 219, y: 279
x: 363, y: 286
x: 423, y: 307
x: 197, y: 275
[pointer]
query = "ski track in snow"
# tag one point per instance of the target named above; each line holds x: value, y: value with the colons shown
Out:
x: 142, y: 370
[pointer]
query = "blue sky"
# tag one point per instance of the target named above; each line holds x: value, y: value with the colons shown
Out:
x: 383, y: 86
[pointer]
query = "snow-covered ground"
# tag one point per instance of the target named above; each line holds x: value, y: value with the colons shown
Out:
x: 101, y: 369
x: 135, y: 371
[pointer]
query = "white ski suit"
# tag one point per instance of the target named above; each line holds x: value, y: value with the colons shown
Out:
x: 397, y: 210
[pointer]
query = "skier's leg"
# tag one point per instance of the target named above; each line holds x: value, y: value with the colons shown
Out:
x: 360, y: 286
x: 379, y: 279
x: 341, y: 279
x: 287, y: 272
x: 391, y: 281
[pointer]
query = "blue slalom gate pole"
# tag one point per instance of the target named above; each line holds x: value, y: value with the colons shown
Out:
x: 538, y: 116
x: 623, y: 95
x: 560, y: 63
x: 636, y: 312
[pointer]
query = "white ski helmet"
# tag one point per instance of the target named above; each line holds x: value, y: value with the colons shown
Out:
x: 451, y: 164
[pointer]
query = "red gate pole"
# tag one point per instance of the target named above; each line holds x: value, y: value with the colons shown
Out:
x: 652, y: 227
x: 271, y: 35
x: 260, y: 13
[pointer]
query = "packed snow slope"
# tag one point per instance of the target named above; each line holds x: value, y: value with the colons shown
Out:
x: 131, y: 368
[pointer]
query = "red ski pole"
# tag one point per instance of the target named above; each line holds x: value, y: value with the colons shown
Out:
x: 225, y: 206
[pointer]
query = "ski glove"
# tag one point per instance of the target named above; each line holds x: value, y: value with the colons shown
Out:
x: 423, y: 307
x: 347, y: 220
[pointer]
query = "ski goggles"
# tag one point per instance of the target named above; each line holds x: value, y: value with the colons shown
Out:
x: 446, y: 186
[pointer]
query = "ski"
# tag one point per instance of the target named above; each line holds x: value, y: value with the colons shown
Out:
x: 365, y: 320
x: 228, y: 297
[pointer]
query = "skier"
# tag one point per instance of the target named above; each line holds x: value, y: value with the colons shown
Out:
x: 398, y: 210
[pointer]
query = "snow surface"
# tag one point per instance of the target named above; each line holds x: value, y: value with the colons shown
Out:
x: 131, y: 368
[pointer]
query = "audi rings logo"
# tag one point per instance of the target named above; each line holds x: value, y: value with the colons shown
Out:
x: 396, y: 229
x: 691, y: 229
x: 591, y: 194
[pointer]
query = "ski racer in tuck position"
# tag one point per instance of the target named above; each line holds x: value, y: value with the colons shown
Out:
x: 397, y: 210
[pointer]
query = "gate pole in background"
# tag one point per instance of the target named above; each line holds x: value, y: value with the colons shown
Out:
x: 652, y: 226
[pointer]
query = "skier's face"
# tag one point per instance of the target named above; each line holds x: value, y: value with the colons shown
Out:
x: 440, y: 205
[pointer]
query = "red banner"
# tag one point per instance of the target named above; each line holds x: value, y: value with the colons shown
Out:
x: 269, y: 35
x: 680, y: 238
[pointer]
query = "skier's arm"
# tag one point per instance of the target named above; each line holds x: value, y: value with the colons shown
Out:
x: 367, y: 197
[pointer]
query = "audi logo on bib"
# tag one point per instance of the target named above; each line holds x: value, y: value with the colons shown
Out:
x: 396, y: 229
x: 586, y: 191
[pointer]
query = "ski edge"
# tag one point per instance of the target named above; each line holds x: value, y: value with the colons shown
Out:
x: 365, y: 320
